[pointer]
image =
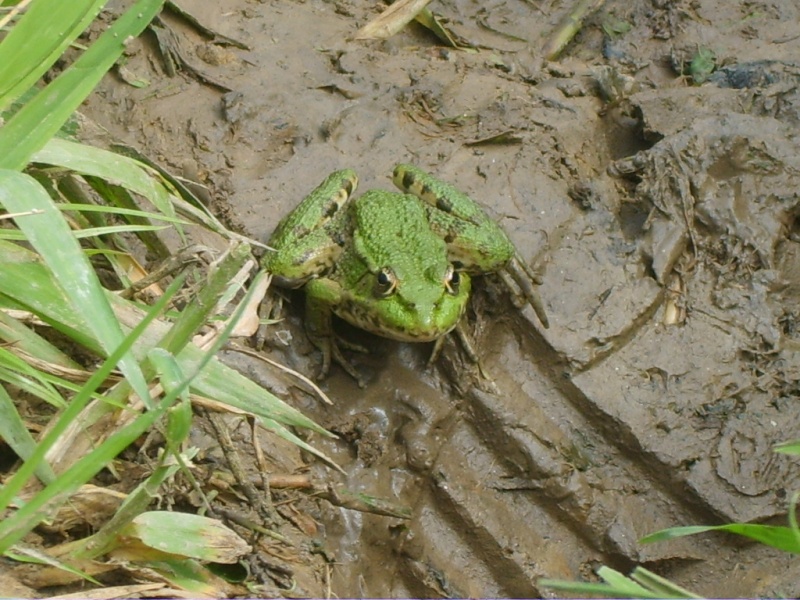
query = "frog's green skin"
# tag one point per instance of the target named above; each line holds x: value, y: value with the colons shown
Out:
x: 395, y: 264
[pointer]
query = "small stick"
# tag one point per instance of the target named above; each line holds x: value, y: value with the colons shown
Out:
x: 568, y: 27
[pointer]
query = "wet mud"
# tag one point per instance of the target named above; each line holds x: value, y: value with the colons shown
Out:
x: 661, y: 213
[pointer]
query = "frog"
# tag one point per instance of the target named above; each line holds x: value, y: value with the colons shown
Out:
x: 396, y: 264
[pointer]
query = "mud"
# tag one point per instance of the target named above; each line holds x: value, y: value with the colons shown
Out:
x: 661, y: 214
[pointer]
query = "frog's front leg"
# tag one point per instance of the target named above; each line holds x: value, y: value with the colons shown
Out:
x: 475, y: 243
x: 321, y: 296
x: 306, y: 242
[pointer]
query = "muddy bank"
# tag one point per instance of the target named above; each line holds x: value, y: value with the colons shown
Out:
x: 661, y: 214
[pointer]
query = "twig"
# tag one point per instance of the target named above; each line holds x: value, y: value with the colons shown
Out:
x: 568, y: 27
x: 392, y: 20
x: 14, y: 12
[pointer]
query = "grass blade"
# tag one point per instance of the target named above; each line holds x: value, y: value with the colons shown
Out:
x: 110, y: 167
x: 782, y: 538
x: 16, y: 526
x: 72, y: 271
x: 53, y: 24
x: 39, y: 120
x: 791, y: 447
x: 16, y: 435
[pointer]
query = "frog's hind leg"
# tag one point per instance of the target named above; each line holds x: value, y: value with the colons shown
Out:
x: 518, y: 272
x: 475, y: 243
x: 305, y: 244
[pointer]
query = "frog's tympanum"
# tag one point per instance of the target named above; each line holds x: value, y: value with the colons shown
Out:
x: 395, y: 264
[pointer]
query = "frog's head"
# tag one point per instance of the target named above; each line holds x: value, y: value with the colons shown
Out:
x: 418, y: 306
x: 412, y: 298
x: 396, y: 277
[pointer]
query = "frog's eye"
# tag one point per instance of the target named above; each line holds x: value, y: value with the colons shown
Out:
x: 385, y: 282
x: 452, y: 280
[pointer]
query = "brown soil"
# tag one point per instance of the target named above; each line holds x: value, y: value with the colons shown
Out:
x: 664, y: 224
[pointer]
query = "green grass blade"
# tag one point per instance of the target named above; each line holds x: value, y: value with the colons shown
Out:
x: 14, y: 527
x: 16, y: 435
x: 38, y: 39
x: 17, y: 372
x: 791, y: 447
x: 229, y: 387
x: 782, y: 538
x: 216, y: 380
x: 21, y: 522
x: 135, y: 504
x: 39, y: 120
x: 98, y: 231
x: 197, y: 313
x: 111, y: 167
x: 641, y: 584
x: 624, y: 585
x: 29, y: 286
x: 659, y: 585
x: 115, y: 210
x: 28, y: 554
x: 13, y: 332
x: 287, y: 435
x: 72, y: 271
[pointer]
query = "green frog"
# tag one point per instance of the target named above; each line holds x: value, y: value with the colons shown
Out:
x: 398, y: 265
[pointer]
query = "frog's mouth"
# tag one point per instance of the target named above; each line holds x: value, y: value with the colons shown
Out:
x: 368, y: 320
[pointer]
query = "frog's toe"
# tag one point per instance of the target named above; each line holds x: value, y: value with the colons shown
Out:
x: 347, y: 366
x: 325, y: 349
x: 343, y: 343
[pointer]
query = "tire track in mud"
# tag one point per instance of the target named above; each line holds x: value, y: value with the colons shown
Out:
x: 581, y: 452
x: 513, y: 495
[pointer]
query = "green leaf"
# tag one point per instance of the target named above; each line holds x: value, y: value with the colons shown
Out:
x: 25, y: 340
x: 112, y: 167
x: 661, y: 586
x: 39, y: 120
x: 31, y: 555
x: 16, y: 435
x: 17, y: 372
x: 782, y: 538
x: 189, y: 575
x: 188, y: 535
x: 641, y: 584
x: 38, y: 39
x: 18, y: 524
x: 98, y: 231
x: 116, y: 210
x: 179, y: 417
x: 791, y: 447
x: 50, y: 235
x: 30, y: 286
x: 623, y: 585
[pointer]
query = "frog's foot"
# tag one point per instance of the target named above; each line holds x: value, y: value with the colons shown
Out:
x: 518, y: 276
x: 331, y: 349
x: 346, y: 364
x: 269, y: 312
x: 464, y: 337
x: 468, y: 344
